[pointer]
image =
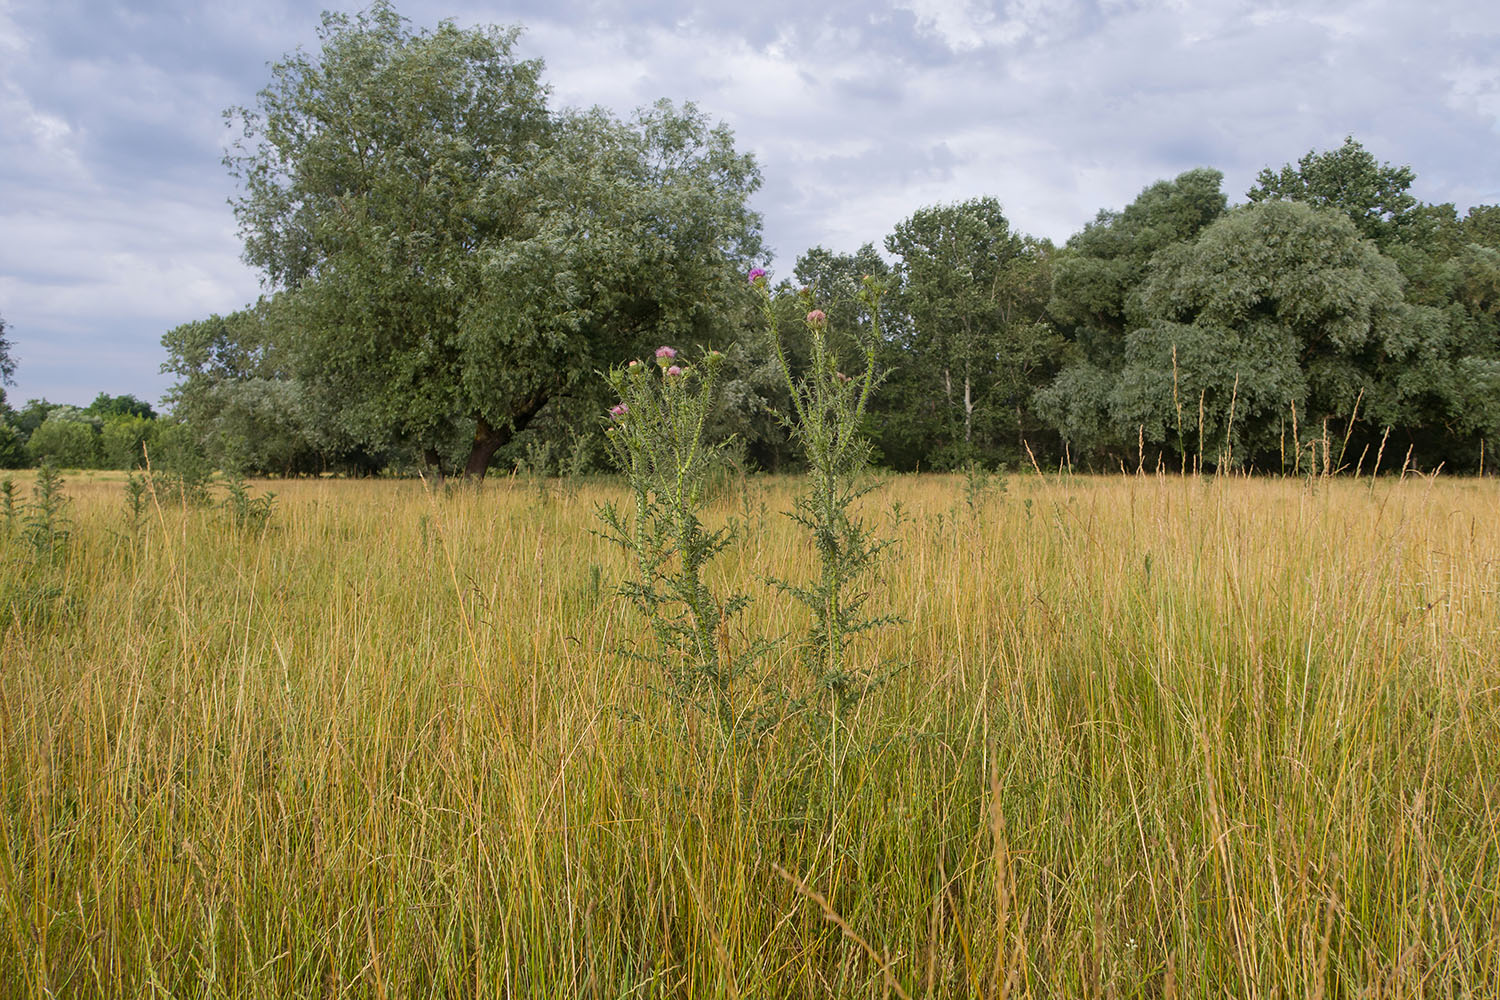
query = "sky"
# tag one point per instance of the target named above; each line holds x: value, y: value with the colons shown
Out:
x: 115, y: 223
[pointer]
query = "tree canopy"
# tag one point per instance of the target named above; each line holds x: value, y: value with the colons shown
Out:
x: 7, y: 363
x: 450, y: 262
x: 1349, y: 180
x: 456, y: 258
x: 973, y: 290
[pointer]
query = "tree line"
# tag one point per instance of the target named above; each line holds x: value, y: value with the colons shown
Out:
x: 450, y: 263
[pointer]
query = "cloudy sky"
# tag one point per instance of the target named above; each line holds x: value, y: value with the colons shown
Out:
x: 114, y: 222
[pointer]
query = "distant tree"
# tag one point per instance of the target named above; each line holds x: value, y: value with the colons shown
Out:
x: 68, y: 438
x: 29, y: 417
x: 105, y: 405
x: 1096, y: 275
x: 122, y: 440
x: 7, y: 362
x: 1349, y: 180
x: 239, y: 398
x: 1482, y: 226
x: 1096, y: 280
x: 974, y: 291
x: 459, y: 258
x: 12, y: 440
x: 1277, y: 305
x: 7, y: 377
x: 12, y: 447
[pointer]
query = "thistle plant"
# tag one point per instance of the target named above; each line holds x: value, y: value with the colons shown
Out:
x: 8, y: 504
x: 247, y: 513
x: 828, y: 408
x: 656, y: 435
x: 46, y: 526
x: 136, y: 499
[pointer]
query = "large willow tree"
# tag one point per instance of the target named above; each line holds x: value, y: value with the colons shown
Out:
x: 458, y: 257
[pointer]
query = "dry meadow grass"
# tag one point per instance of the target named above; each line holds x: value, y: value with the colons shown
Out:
x: 1150, y: 737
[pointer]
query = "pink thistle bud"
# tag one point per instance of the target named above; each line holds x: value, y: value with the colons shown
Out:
x: 674, y: 370
x: 817, y: 318
x: 757, y: 274
x: 618, y: 411
x: 665, y: 352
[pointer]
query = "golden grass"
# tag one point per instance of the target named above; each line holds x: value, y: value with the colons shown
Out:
x: 1153, y: 737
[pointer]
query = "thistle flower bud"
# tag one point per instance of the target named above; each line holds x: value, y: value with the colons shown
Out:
x: 674, y: 370
x: 817, y: 318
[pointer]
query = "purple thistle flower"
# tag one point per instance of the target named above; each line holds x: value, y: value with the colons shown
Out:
x: 618, y: 411
x: 817, y: 318
x: 674, y: 370
x: 756, y: 274
x: 665, y: 352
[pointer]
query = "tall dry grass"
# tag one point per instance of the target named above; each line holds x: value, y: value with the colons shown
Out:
x: 1152, y: 737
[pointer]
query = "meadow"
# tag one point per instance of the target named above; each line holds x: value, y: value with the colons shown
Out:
x: 1138, y: 736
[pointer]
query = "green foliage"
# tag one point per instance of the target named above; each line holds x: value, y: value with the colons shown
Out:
x: 7, y: 361
x: 1276, y: 307
x: 1482, y: 226
x: 68, y: 437
x: 29, y: 417
x: 123, y: 441
x: 457, y: 258
x: 33, y: 593
x: 45, y: 527
x: 105, y: 406
x: 980, y: 485
x: 239, y: 394
x: 249, y: 514
x: 657, y: 436
x: 180, y: 471
x: 1077, y: 404
x: 974, y: 293
x: 1349, y: 180
x: 8, y: 504
x: 828, y: 410
x: 12, y: 446
x: 1095, y: 279
x: 1277, y: 322
x: 1095, y: 304
x: 137, y: 497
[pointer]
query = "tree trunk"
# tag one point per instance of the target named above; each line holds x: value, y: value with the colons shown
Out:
x: 488, y: 440
x: 968, y: 408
